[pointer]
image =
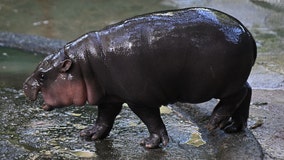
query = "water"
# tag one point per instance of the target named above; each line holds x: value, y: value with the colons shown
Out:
x: 15, y: 66
x: 28, y: 132
x: 69, y: 19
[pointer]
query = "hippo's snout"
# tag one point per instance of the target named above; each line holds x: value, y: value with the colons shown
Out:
x: 31, y: 88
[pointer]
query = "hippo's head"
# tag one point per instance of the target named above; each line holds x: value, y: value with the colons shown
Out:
x: 60, y: 83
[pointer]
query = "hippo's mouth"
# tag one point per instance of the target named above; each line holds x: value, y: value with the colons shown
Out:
x: 47, y: 107
x: 31, y: 94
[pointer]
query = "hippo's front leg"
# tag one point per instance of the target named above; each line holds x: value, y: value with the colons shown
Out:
x: 104, y: 121
x: 152, y: 119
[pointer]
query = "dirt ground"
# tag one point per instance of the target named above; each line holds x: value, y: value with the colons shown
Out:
x: 267, y: 121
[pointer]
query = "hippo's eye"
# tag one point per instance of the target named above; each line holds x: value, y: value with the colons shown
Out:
x: 41, y: 77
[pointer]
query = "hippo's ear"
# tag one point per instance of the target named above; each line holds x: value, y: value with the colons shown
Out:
x: 65, y: 65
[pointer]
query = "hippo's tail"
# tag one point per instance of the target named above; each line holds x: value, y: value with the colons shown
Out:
x: 254, y: 51
x: 253, y: 45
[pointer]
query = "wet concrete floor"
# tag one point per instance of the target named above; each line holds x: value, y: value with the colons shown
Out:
x: 28, y: 132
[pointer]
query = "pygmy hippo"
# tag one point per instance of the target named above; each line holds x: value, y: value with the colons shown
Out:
x: 189, y: 55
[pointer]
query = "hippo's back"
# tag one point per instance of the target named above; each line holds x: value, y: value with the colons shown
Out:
x: 187, y: 55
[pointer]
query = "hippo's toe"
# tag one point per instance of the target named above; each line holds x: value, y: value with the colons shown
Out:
x: 95, y: 132
x: 154, y: 140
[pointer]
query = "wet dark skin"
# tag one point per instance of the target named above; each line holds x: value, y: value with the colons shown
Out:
x: 190, y: 55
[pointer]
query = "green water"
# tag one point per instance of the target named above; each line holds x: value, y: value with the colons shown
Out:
x: 15, y: 66
x: 69, y: 19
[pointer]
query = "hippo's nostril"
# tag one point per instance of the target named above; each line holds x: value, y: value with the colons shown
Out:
x: 25, y: 87
x: 31, y: 91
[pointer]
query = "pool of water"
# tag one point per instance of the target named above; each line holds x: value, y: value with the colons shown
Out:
x: 15, y: 66
x: 69, y: 19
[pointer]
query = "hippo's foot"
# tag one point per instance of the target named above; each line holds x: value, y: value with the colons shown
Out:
x: 152, y: 119
x: 104, y: 122
x: 97, y: 131
x: 231, y: 114
x: 154, y: 140
x: 218, y: 121
x: 225, y: 123
x: 234, y: 127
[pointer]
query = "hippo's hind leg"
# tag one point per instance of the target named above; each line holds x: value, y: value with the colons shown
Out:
x: 104, y: 121
x: 240, y: 116
x: 232, y: 112
x: 152, y: 119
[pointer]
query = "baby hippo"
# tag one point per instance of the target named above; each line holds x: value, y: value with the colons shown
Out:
x: 190, y: 55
